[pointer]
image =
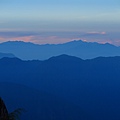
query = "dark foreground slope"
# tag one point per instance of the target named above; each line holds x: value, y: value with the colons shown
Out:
x: 93, y: 84
x: 84, y: 50
x: 39, y: 105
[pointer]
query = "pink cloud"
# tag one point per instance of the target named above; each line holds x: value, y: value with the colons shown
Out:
x: 25, y: 39
x: 56, y: 39
x: 50, y: 39
x: 99, y: 33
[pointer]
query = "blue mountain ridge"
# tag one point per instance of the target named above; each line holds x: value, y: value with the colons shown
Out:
x: 10, y: 55
x: 81, y: 49
x: 91, y: 84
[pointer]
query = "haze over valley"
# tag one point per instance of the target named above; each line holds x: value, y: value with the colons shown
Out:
x: 60, y: 59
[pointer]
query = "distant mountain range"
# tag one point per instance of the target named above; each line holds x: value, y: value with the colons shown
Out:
x: 93, y: 85
x: 84, y: 50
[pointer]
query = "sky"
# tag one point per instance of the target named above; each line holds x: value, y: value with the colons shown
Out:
x: 59, y: 21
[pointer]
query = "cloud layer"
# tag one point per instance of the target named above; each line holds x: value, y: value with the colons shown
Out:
x: 60, y: 37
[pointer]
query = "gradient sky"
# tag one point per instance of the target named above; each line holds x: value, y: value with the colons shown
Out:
x: 58, y: 21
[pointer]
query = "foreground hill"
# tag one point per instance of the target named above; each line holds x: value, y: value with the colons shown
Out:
x: 84, y: 50
x: 39, y: 105
x: 92, y: 84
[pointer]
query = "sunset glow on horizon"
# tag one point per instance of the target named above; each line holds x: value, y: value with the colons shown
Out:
x: 60, y: 21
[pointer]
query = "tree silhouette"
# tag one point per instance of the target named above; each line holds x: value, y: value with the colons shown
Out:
x: 4, y: 115
x: 3, y: 111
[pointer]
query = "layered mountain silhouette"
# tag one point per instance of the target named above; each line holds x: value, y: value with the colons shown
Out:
x: 39, y: 105
x: 9, y: 55
x: 91, y: 84
x: 84, y: 50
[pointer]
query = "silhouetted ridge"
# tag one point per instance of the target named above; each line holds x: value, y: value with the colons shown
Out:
x: 92, y: 84
x: 18, y: 43
x: 81, y: 49
x: 107, y: 60
x: 10, y: 55
x: 65, y: 58
x: 7, y: 59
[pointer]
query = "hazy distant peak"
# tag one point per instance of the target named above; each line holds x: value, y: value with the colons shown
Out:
x: 17, y: 42
x: 71, y: 42
x: 78, y: 48
x: 9, y: 55
x: 14, y: 59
